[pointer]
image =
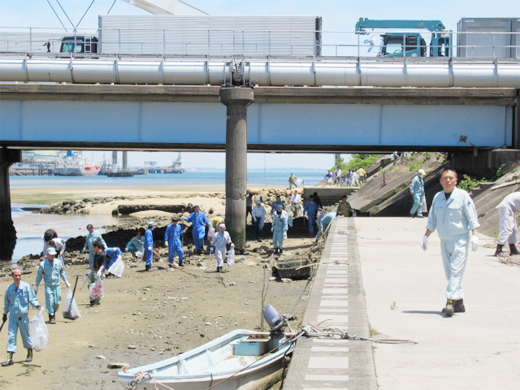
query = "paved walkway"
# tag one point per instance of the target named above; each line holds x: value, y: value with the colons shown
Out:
x: 378, y: 277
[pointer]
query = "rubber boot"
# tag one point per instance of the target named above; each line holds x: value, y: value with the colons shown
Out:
x: 181, y: 263
x: 29, y: 355
x: 458, y: 306
x: 52, y: 320
x: 499, y: 252
x: 514, y: 251
x: 148, y: 268
x: 9, y: 361
x: 449, y: 309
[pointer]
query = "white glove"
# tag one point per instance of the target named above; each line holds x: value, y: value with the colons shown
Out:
x: 424, y: 243
x: 212, y: 250
x: 166, y: 244
x: 35, y: 290
x: 99, y: 274
x: 40, y: 311
x: 285, y: 235
x: 473, y: 242
x: 149, y: 249
x: 68, y: 285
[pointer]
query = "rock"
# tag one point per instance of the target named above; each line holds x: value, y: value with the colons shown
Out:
x: 123, y: 366
x: 286, y: 280
x: 101, y: 357
x: 132, y: 347
x: 231, y: 284
x: 272, y: 279
x: 208, y: 323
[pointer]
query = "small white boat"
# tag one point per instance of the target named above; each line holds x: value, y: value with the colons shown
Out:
x: 242, y: 359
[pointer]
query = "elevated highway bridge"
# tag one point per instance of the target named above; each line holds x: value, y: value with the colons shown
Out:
x: 44, y: 106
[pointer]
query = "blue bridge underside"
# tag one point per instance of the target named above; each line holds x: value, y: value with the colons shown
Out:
x: 297, y: 127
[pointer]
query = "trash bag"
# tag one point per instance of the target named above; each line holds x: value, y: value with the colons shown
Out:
x: 40, y: 334
x: 211, y: 231
x: 95, y: 290
x: 139, y: 254
x: 70, y: 308
x: 118, y: 267
x: 231, y: 256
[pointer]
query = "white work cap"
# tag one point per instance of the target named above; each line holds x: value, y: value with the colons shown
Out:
x: 421, y: 171
x: 221, y: 225
x: 51, y: 251
x: 151, y: 223
x: 258, y: 201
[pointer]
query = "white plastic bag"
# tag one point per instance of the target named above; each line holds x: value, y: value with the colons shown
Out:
x: 95, y: 290
x: 211, y: 231
x: 231, y: 256
x: 70, y: 308
x: 40, y: 334
x: 117, y: 268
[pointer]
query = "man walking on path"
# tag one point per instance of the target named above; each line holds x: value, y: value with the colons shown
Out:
x: 17, y: 298
x: 454, y: 215
x: 172, y: 239
x: 221, y: 244
x: 417, y: 191
x: 51, y: 269
x: 279, y: 228
x: 507, y: 227
x: 148, y: 246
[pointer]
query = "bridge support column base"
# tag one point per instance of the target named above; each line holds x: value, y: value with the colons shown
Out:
x: 7, y: 229
x: 486, y: 163
x: 236, y: 99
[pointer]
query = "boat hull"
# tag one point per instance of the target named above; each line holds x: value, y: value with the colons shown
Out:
x: 77, y: 171
x: 259, y: 373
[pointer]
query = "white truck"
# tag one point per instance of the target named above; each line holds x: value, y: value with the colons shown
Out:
x: 186, y: 35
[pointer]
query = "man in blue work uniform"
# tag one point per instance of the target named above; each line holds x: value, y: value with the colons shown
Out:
x: 311, y: 209
x: 324, y: 223
x: 112, y: 255
x: 92, y: 237
x: 51, y: 269
x: 279, y: 227
x: 454, y: 215
x: 136, y: 244
x: 148, y: 246
x: 16, y: 302
x: 199, y: 221
x: 417, y: 191
x: 172, y: 239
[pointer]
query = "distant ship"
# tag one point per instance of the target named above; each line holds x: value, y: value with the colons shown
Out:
x: 75, y: 165
x: 176, y: 166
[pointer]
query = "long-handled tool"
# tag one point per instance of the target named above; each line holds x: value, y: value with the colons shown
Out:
x: 3, y: 323
x: 68, y: 313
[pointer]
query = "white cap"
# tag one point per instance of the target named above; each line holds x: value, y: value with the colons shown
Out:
x: 51, y: 251
x: 421, y: 171
x: 258, y: 201
x: 221, y: 225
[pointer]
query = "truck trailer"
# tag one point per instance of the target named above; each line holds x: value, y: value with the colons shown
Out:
x: 182, y: 35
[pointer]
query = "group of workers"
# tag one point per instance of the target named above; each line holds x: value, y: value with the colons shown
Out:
x: 350, y: 178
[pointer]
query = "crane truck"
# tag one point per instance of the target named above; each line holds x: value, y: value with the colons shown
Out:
x: 408, y: 44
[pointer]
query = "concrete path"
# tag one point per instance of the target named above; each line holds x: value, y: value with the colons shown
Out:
x: 404, y: 291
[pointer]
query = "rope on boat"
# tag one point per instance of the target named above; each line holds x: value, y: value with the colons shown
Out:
x: 142, y: 377
x: 338, y: 333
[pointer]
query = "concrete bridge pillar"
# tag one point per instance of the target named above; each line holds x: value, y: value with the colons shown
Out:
x: 125, y: 160
x: 114, y: 161
x: 7, y: 230
x: 236, y: 99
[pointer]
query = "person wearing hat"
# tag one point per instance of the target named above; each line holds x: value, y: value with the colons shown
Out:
x: 259, y: 217
x: 311, y: 209
x: 148, y: 245
x: 279, y: 228
x: 172, y: 239
x: 417, y: 191
x: 18, y: 296
x: 51, y: 269
x: 220, y: 244
x: 199, y: 221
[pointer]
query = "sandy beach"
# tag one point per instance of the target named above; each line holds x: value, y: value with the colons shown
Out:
x: 149, y: 316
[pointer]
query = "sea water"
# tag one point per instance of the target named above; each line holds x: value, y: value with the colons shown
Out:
x: 30, y: 226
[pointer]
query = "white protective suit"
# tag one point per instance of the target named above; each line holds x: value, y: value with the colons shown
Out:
x: 219, y: 241
x: 454, y: 218
x: 507, y: 227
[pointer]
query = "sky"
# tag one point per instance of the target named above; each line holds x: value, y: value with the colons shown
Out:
x: 337, y: 15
